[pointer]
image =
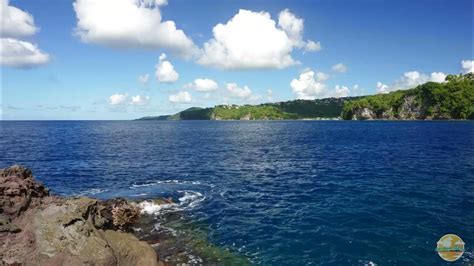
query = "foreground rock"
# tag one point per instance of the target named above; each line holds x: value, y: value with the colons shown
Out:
x: 39, y: 229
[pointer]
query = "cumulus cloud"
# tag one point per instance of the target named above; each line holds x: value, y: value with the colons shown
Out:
x: 129, y: 24
x: 118, y: 99
x: 253, y: 40
x: 410, y: 80
x: 439, y: 77
x: 293, y: 26
x: 165, y: 70
x: 143, y: 79
x: 467, y: 66
x: 309, y: 85
x: 340, y: 91
x: 21, y: 54
x: 202, y: 85
x: 340, y: 67
x: 382, y: 88
x: 122, y: 100
x: 313, y: 46
x: 357, y: 90
x: 16, y: 22
x: 237, y: 92
x: 180, y: 97
x: 139, y: 100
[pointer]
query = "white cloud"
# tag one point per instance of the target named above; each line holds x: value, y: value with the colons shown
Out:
x: 341, y: 91
x: 382, y: 88
x: 143, y: 79
x: 202, y: 85
x: 313, y: 46
x: 161, y: 2
x: 165, y: 71
x: 118, y: 99
x: 309, y: 85
x: 410, y: 80
x: 180, y: 97
x: 438, y: 77
x: 139, y: 100
x: 340, y: 67
x: 16, y: 22
x: 237, y: 92
x: 129, y: 24
x: 253, y: 40
x: 14, y: 52
x: 467, y: 66
x: 21, y: 54
x: 356, y: 90
x: 293, y: 26
x: 320, y: 76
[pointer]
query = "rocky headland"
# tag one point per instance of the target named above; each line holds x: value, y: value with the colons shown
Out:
x: 38, y: 228
x: 450, y: 100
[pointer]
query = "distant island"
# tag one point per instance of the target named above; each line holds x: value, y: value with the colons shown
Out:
x: 453, y: 99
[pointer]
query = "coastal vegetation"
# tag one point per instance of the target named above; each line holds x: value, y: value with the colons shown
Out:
x: 453, y: 99
x: 296, y: 109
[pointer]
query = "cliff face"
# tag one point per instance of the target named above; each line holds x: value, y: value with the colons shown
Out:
x: 39, y: 229
x: 453, y: 99
x: 408, y: 110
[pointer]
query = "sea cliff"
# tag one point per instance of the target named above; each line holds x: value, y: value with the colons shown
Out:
x: 453, y: 99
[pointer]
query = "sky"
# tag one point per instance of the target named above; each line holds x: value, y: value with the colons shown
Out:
x: 124, y: 59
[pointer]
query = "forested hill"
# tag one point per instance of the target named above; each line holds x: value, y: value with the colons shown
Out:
x: 453, y: 99
x: 329, y: 108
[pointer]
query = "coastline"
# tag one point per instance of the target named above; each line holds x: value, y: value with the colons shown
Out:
x: 38, y: 227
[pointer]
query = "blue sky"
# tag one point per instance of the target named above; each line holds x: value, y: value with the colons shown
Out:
x: 87, y: 67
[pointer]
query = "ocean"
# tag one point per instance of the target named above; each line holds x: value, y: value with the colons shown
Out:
x: 277, y: 192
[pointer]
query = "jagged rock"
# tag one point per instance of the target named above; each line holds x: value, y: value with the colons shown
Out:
x: 39, y: 229
x: 363, y: 114
x: 18, y: 190
x: 409, y: 110
x: 7, y: 226
x: 116, y: 214
x: 129, y: 250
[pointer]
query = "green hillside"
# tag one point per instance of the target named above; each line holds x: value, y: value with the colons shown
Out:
x: 297, y: 109
x: 453, y: 99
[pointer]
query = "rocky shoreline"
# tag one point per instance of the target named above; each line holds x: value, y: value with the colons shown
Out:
x: 37, y: 228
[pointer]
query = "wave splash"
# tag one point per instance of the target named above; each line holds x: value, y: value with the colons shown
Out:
x: 189, y: 199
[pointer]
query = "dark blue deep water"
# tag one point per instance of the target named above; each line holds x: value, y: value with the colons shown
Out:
x: 281, y: 193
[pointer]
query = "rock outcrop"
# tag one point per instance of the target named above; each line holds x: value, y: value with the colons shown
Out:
x: 364, y: 114
x: 408, y: 110
x: 39, y: 229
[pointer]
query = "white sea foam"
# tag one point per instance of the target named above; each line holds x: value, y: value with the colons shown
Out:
x: 149, y: 207
x: 189, y: 199
x: 173, y: 181
x: 92, y: 191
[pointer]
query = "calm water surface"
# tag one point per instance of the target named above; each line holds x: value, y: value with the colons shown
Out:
x: 281, y: 193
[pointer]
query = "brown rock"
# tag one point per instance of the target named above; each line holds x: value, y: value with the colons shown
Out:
x: 38, y: 229
x: 129, y: 250
x: 18, y: 190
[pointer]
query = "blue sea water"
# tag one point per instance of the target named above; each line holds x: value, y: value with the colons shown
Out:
x: 281, y: 193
